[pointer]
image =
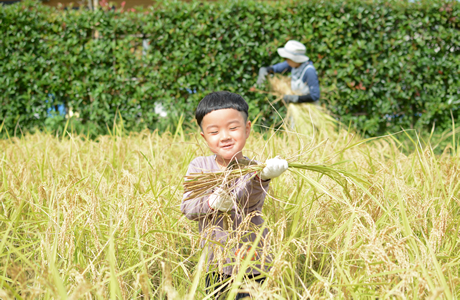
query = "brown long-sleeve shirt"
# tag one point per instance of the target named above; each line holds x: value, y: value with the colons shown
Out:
x: 226, y: 247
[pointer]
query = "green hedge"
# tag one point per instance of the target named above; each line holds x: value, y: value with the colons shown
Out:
x: 381, y: 65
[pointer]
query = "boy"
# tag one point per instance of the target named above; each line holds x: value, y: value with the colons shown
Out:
x: 223, y: 120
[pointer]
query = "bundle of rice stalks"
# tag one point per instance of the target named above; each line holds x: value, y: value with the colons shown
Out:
x: 280, y: 86
x: 200, y: 184
x: 310, y: 119
x: 303, y: 118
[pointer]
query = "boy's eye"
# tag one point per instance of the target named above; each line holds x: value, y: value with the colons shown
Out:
x: 233, y: 128
x: 213, y: 132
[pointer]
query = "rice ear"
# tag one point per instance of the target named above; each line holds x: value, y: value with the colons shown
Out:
x: 238, y: 163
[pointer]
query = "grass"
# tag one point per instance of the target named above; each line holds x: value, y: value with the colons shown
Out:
x: 96, y: 219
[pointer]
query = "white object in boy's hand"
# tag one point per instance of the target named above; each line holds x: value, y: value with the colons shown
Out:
x: 221, y: 200
x: 274, y: 167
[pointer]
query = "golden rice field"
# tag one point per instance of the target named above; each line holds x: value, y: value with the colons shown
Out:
x: 100, y: 219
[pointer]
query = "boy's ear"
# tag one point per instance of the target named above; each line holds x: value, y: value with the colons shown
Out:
x: 248, y: 127
x: 202, y: 134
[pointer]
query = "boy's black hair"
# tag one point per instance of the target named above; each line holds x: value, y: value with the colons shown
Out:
x: 220, y: 100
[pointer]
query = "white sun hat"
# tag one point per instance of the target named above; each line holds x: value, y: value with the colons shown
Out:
x: 294, y: 50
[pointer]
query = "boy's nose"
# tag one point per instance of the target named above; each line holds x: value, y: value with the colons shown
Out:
x: 225, y: 135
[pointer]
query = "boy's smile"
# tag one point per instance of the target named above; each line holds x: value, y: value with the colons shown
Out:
x: 225, y: 132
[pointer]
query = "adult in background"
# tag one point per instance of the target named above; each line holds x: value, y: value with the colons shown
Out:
x: 304, y: 80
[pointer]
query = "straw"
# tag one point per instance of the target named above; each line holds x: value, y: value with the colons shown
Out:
x: 201, y: 184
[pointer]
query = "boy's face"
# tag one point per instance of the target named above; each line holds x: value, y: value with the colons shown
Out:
x: 226, y: 132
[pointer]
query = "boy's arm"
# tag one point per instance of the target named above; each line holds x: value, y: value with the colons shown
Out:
x: 251, y: 193
x: 197, y: 208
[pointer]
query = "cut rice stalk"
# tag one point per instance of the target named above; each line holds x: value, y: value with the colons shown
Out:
x: 280, y: 86
x: 310, y: 119
x: 200, y: 184
x: 303, y: 118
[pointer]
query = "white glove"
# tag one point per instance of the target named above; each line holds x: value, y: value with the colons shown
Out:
x: 291, y: 98
x: 274, y: 168
x: 221, y: 200
x: 262, y: 73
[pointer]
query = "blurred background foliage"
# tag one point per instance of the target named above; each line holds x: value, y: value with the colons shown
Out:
x: 381, y: 65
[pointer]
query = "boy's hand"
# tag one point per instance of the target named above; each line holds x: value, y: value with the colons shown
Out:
x: 274, y: 168
x: 221, y: 200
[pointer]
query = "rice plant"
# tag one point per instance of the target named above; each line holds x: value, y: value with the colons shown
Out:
x: 99, y: 219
